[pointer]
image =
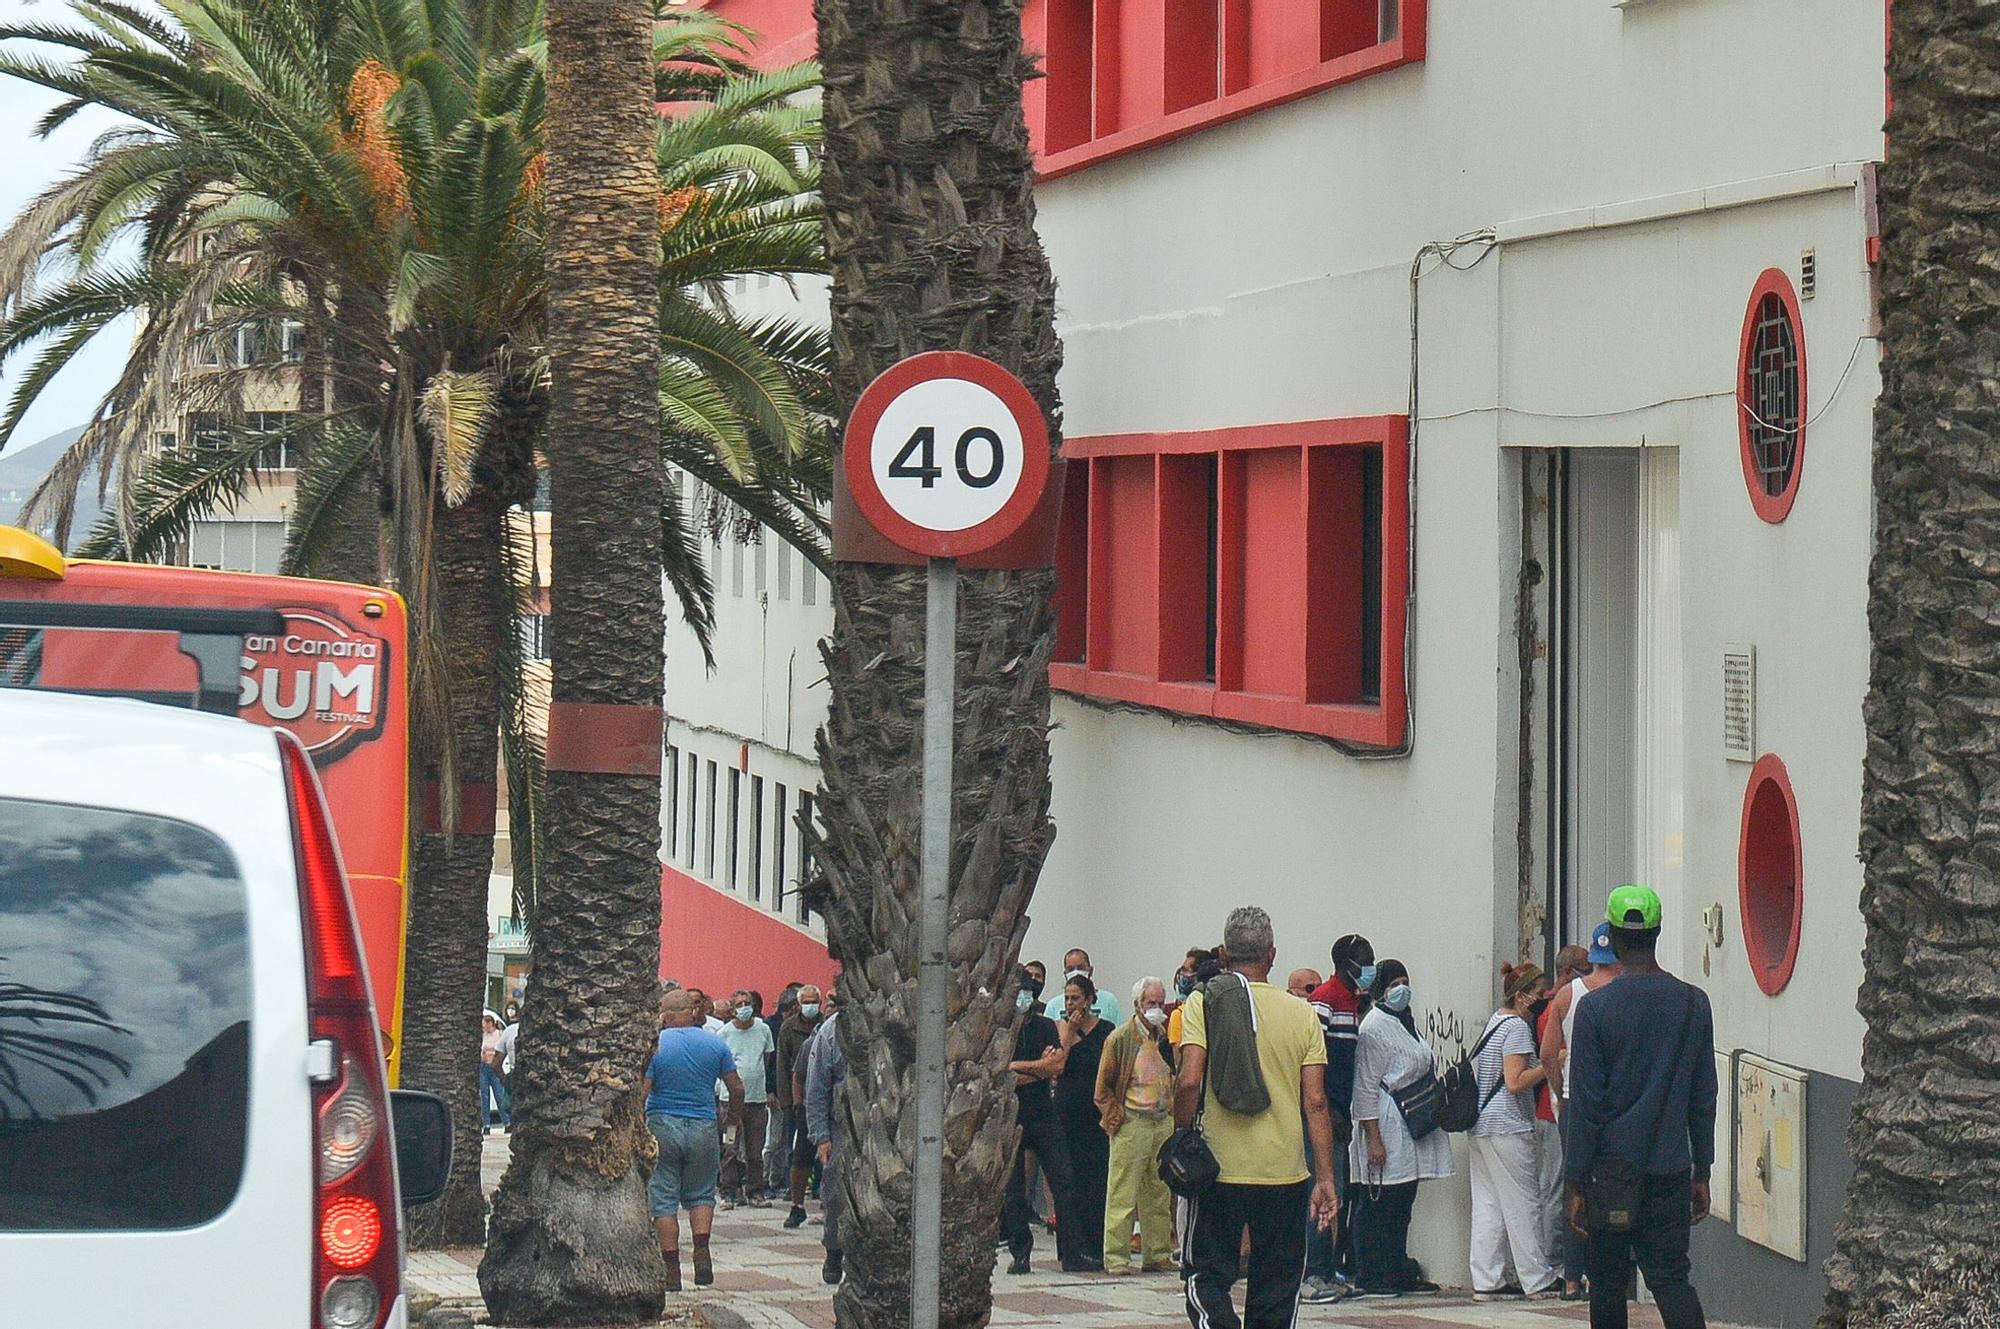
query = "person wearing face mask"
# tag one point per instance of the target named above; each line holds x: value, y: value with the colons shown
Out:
x: 748, y: 1039
x: 1388, y: 1164
x: 1507, y: 1227
x: 1135, y: 1105
x: 1103, y: 1004
x: 1339, y: 1003
x: 1039, y: 1058
x: 1084, y: 1036
x: 1199, y: 968
x: 792, y: 1040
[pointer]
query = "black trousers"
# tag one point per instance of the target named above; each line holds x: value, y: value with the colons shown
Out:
x: 1090, y: 1172
x: 1043, y: 1134
x: 1658, y: 1244
x: 1212, y: 1248
x: 1382, y: 1236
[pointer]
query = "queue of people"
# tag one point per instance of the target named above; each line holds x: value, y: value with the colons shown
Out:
x: 1563, y: 1098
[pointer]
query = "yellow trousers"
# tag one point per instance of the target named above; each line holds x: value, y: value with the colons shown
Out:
x: 1135, y: 1191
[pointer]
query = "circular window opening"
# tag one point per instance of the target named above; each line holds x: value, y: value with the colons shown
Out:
x: 1770, y: 875
x: 1771, y: 396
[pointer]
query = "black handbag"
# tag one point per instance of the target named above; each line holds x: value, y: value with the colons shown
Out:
x: 1185, y: 1161
x: 1419, y: 1101
x: 1617, y: 1189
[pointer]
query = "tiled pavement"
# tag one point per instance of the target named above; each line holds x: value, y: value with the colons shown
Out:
x: 769, y: 1278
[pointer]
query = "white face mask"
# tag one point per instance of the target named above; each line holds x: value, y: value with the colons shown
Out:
x: 1156, y: 1016
x: 744, y: 1012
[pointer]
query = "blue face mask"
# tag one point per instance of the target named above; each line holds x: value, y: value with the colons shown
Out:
x: 1397, y: 999
x: 809, y: 1009
x: 744, y: 1012
x: 1365, y: 979
x: 1023, y: 999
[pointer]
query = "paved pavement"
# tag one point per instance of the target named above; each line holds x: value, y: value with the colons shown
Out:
x: 769, y: 1278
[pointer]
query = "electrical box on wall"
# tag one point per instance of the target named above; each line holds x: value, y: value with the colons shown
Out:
x: 1770, y: 1155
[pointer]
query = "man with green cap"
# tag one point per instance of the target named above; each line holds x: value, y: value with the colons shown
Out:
x: 1639, y: 1131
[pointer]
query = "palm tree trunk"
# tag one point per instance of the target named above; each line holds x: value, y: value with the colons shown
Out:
x: 930, y: 230
x: 570, y: 1242
x: 1925, y: 1134
x: 445, y: 961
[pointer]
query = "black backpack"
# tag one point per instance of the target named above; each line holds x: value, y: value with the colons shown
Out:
x: 1459, y: 1101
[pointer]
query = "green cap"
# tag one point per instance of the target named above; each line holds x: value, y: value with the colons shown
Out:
x: 1635, y: 908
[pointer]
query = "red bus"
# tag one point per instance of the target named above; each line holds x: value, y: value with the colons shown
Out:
x: 325, y: 660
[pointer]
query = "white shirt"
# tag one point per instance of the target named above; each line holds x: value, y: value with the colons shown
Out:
x: 1388, y: 1057
x: 507, y: 1037
x: 748, y: 1046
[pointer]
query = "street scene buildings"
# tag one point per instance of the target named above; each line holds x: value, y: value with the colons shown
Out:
x: 1467, y: 411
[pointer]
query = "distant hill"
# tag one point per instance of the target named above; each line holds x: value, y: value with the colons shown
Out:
x: 21, y: 469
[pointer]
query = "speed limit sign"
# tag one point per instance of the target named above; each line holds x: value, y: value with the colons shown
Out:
x: 946, y: 454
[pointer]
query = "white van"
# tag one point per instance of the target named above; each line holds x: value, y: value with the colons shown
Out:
x: 194, y: 1118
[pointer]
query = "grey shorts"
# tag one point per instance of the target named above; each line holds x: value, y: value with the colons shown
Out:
x: 690, y: 1159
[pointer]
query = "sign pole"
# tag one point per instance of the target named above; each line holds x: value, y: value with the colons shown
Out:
x: 933, y: 965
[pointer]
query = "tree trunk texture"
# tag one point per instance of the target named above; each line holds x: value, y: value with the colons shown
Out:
x: 354, y: 552
x: 930, y: 231
x: 570, y: 1241
x: 445, y: 955
x: 1924, y: 1203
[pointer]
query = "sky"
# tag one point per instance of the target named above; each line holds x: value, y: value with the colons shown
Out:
x: 32, y: 165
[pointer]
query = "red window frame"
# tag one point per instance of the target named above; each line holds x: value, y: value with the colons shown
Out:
x: 1770, y: 874
x: 1122, y: 75
x: 1776, y: 285
x: 1133, y: 599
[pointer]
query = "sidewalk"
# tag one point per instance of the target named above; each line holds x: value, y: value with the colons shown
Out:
x: 769, y: 1278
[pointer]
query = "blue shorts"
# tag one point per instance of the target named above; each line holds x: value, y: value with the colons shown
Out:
x: 690, y: 1159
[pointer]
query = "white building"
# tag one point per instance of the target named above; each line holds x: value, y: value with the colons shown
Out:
x: 1593, y: 483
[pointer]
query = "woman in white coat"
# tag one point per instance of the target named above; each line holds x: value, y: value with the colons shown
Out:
x: 1388, y: 1164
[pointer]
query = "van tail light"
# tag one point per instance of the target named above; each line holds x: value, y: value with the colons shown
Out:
x: 357, y: 1224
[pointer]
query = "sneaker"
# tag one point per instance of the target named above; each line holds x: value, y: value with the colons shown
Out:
x: 1083, y: 1266
x: 796, y: 1218
x: 1498, y: 1294
x: 1549, y: 1293
x: 1575, y: 1292
x: 1324, y: 1291
x: 1018, y: 1265
x: 829, y: 1273
x: 725, y: 1204
x: 1363, y: 1290
x: 1421, y: 1288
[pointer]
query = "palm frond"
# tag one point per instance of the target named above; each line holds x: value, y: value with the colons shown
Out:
x: 457, y: 410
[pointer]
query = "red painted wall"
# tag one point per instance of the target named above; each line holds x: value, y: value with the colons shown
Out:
x: 715, y: 942
x: 784, y: 28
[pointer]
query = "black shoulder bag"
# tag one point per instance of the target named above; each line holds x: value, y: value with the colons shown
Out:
x: 1185, y: 1162
x: 1618, y: 1185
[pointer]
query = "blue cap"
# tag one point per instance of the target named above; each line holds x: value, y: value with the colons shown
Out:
x: 1600, y: 946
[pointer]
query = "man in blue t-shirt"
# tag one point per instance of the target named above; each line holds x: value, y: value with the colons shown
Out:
x: 681, y: 1113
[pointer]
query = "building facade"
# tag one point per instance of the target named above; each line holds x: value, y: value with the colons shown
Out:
x: 1468, y: 417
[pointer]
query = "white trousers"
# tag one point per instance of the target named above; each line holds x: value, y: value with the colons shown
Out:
x: 1506, y: 1214
x: 1549, y: 1159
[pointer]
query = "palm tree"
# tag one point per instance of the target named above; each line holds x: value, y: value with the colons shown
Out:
x: 1916, y: 1237
x: 405, y: 237
x: 930, y: 232
x: 570, y: 1242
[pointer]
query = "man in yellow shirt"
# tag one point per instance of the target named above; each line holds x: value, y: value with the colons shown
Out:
x: 1264, y: 1184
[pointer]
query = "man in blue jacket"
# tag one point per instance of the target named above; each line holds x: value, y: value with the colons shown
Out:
x: 826, y: 1067
x: 1642, y: 1089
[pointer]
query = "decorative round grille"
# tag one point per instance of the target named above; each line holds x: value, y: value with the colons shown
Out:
x: 1771, y: 396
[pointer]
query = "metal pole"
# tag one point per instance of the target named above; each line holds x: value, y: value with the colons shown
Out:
x: 933, y: 967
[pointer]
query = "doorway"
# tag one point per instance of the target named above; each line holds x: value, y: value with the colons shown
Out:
x: 1607, y: 763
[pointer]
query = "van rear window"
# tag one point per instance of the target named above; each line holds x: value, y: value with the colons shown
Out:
x: 124, y: 1020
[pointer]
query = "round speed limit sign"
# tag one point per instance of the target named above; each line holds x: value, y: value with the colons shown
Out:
x: 946, y: 454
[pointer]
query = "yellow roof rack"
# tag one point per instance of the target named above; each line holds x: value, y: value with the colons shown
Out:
x: 29, y: 557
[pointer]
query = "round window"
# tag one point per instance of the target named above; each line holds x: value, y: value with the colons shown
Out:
x: 1770, y: 875
x: 1771, y: 396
